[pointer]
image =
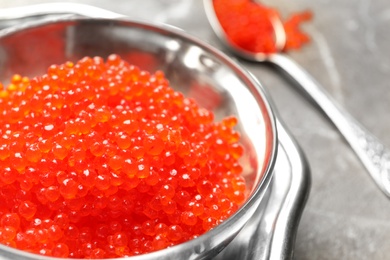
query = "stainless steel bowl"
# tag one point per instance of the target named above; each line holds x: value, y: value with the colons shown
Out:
x: 193, y: 67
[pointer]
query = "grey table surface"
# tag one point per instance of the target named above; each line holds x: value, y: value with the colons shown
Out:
x: 346, y: 216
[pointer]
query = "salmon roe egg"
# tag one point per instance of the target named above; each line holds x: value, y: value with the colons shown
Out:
x: 104, y: 160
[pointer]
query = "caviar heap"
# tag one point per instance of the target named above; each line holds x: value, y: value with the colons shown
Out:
x: 99, y: 159
x: 248, y: 24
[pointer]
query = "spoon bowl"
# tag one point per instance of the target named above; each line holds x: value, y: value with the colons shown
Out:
x: 371, y: 152
x: 279, y: 35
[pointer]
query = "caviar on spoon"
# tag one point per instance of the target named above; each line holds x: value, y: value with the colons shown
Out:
x: 372, y: 153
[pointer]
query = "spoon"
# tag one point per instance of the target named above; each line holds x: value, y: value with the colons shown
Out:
x: 372, y: 153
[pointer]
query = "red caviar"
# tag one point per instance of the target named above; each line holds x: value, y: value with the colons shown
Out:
x: 248, y: 24
x: 100, y: 159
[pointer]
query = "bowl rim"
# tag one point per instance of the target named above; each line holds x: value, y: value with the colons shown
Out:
x: 252, y: 202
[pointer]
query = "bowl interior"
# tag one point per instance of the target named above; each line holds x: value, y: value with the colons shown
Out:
x: 194, y: 68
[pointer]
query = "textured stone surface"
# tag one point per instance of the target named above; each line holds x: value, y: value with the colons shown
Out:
x: 346, y: 215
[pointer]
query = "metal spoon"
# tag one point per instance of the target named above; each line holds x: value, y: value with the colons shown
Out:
x: 372, y: 153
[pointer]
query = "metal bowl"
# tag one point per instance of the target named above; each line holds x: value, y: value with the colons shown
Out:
x: 193, y: 67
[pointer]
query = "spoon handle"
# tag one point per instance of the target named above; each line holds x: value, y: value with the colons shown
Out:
x: 372, y: 153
